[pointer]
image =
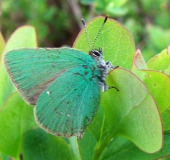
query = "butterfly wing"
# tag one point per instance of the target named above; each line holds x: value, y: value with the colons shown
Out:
x: 33, y: 70
x: 62, y: 84
x: 68, y: 105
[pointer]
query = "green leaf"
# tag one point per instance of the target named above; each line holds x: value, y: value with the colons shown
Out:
x: 121, y: 149
x: 157, y: 83
x: 116, y: 11
x: 138, y: 64
x: 2, y: 45
x: 138, y: 60
x: 114, y: 39
x: 87, y: 2
x: 111, y: 7
x: 166, y: 119
x: 92, y: 135
x: 16, y: 117
x: 40, y: 145
x: 117, y: 3
x: 161, y: 62
x: 22, y: 37
x: 98, y: 127
x: 3, y: 157
x: 87, y: 145
x: 127, y: 112
x: 131, y: 112
x: 158, y: 36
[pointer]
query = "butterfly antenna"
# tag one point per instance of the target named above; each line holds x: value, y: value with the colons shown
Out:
x: 86, y: 33
x: 99, y: 31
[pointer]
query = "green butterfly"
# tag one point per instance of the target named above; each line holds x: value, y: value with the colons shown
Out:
x: 63, y: 84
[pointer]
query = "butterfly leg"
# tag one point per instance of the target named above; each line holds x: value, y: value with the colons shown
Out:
x: 110, y: 67
x: 110, y: 87
x: 105, y: 88
x: 107, y: 68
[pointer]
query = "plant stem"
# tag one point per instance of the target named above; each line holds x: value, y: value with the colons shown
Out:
x: 75, y: 147
x: 101, y: 146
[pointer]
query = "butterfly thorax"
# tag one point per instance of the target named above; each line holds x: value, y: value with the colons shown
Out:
x: 102, y: 66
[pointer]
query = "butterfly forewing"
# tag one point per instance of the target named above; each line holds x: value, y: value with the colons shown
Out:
x: 68, y: 105
x: 33, y: 70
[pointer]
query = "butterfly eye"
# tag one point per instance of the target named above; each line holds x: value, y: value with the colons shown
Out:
x: 95, y: 53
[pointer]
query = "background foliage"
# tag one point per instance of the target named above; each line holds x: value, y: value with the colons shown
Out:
x: 57, y: 22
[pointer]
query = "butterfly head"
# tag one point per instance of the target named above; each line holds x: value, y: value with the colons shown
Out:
x: 96, y: 54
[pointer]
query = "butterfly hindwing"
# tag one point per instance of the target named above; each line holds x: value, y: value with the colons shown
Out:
x: 33, y: 70
x: 68, y: 105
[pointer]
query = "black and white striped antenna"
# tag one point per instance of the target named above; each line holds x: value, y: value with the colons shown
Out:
x: 99, y: 31
x: 86, y: 33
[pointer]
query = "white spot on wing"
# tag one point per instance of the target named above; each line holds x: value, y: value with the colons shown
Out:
x: 48, y: 92
x: 68, y: 115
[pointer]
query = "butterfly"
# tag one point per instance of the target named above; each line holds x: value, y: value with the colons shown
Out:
x: 63, y: 83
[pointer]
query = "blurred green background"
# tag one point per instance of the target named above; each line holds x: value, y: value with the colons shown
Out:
x: 58, y: 22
